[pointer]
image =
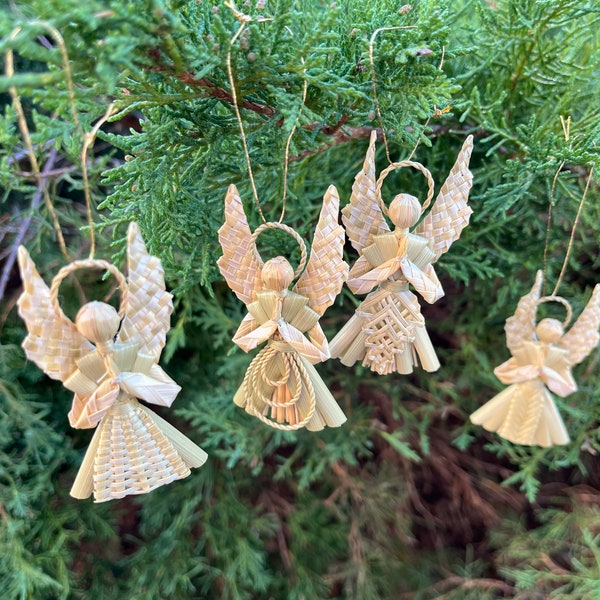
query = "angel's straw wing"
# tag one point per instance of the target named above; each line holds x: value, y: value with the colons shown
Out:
x: 148, y: 305
x: 238, y: 264
x: 362, y: 216
x: 326, y: 270
x: 583, y: 337
x: 53, y: 343
x: 450, y: 213
x: 521, y: 326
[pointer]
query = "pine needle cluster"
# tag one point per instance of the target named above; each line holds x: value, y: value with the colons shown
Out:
x: 407, y: 499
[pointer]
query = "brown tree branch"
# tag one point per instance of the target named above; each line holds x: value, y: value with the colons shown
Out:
x: 214, y: 91
x: 24, y: 226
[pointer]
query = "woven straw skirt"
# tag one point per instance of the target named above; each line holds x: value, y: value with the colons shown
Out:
x: 133, y: 451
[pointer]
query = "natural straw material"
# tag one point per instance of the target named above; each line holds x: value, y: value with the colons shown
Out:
x: 281, y: 387
x: 451, y: 213
x: 326, y: 270
x: 133, y: 456
x: 362, y: 216
x: 387, y: 331
x: 133, y: 450
x: 288, y: 230
x: 89, y: 263
x: 53, y: 342
x: 562, y: 301
x: 239, y: 263
x: 542, y: 357
x: 399, y: 165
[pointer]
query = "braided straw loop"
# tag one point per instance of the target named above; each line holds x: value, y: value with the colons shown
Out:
x: 89, y: 263
x: 400, y: 165
x: 562, y: 301
x: 287, y: 229
x: 260, y: 386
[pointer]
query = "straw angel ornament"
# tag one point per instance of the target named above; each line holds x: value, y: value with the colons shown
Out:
x: 108, y: 360
x: 542, y: 357
x: 281, y: 379
x: 387, y: 331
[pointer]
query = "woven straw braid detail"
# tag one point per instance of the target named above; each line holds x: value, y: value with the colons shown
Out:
x: 450, y: 213
x: 238, y: 265
x: 400, y: 165
x: 362, y: 217
x: 261, y: 387
x: 134, y: 456
x: 287, y: 229
x: 148, y: 306
x: 53, y: 343
x: 86, y: 412
x: 89, y: 263
x: 389, y: 333
x: 562, y: 301
x: 326, y: 270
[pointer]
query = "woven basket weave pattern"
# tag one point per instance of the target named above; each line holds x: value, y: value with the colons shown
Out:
x: 52, y: 344
x: 450, y: 213
x: 326, y: 271
x: 362, y: 216
x: 134, y: 456
x: 238, y: 265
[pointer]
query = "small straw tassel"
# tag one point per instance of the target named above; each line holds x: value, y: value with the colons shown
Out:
x: 542, y: 358
x: 387, y: 332
x: 281, y: 387
x: 133, y: 450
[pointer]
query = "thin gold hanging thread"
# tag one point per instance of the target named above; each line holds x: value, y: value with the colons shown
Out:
x: 374, y: 81
x: 88, y: 138
x: 24, y: 129
x: 244, y: 20
x: 542, y: 357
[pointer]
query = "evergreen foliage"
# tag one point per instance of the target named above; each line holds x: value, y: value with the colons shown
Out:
x: 407, y: 499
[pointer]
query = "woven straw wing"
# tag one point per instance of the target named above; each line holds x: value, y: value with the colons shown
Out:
x: 362, y: 217
x: 326, y: 270
x: 450, y: 213
x: 53, y: 343
x: 583, y: 337
x: 238, y: 265
x: 521, y: 326
x: 148, y: 305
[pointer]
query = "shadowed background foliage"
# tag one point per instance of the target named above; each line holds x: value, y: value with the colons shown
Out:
x: 407, y: 499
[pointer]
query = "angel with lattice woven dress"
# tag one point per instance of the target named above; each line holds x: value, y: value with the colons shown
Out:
x: 109, y: 359
x: 387, y: 331
x: 281, y: 379
x: 542, y: 357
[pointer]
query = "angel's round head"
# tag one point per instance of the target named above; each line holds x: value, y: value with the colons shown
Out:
x: 277, y: 274
x: 97, y: 322
x: 549, y: 330
x: 404, y: 211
